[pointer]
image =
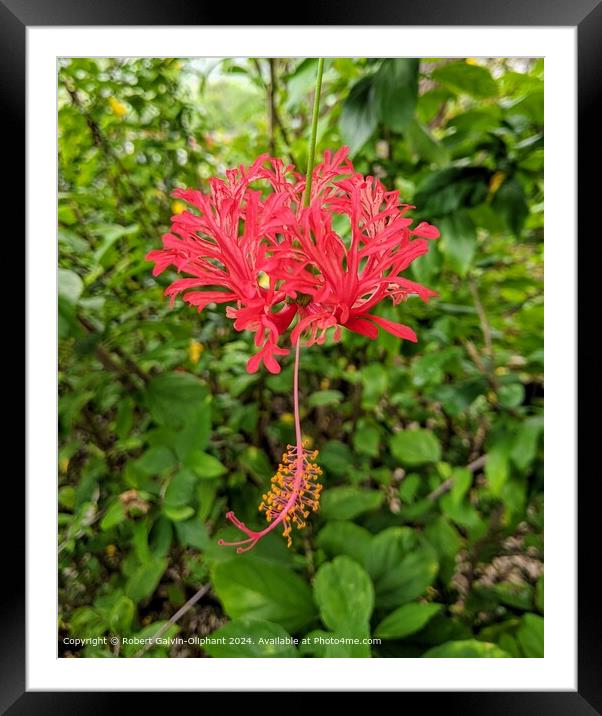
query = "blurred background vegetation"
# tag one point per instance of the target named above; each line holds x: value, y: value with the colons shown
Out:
x: 430, y: 535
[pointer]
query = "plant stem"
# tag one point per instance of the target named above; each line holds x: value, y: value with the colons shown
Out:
x: 314, y: 131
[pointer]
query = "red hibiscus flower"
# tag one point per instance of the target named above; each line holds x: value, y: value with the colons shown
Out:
x: 345, y: 274
x: 225, y: 248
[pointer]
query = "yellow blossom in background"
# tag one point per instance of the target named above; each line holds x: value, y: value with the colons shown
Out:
x: 178, y: 207
x: 195, y: 350
x: 110, y: 550
x: 287, y: 418
x: 118, y: 108
x: 472, y: 61
x: 496, y: 181
x: 64, y: 464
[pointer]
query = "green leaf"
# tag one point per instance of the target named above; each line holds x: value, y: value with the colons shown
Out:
x: 345, y: 538
x: 113, y: 516
x: 366, y: 439
x: 401, y: 565
x: 497, y: 468
x: 458, y: 241
x: 375, y: 380
x: 122, y: 615
x: 526, y: 442
x: 511, y: 395
x: 345, y: 596
x: 175, y: 398
x: 192, y: 533
x: 464, y: 78
x: 110, y: 235
x: 396, y: 91
x: 511, y: 203
x: 359, y: 116
x: 251, y: 638
x: 447, y: 190
x: 195, y: 433
x: 204, y: 465
x: 347, y: 502
x: 462, y: 480
x: 155, y: 461
x: 177, y: 513
x: 180, y: 490
x: 256, y: 462
x: 70, y: 286
x: 466, y: 649
x: 406, y: 620
x: 530, y: 636
x: 336, y: 458
x: 415, y: 447
x: 145, y: 579
x: 324, y: 397
x: 252, y: 587
x: 422, y: 143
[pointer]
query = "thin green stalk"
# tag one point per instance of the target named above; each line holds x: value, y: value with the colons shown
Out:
x: 314, y: 131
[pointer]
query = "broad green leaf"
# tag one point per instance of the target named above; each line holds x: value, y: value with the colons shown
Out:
x: 256, y: 462
x: 346, y: 503
x: 396, y: 91
x: 511, y: 203
x: 366, y: 439
x: 375, y: 379
x: 402, y: 566
x: 177, y: 513
x: 524, y: 448
x: 359, y: 116
x: 192, y: 533
x: 251, y: 638
x: 467, y: 649
x: 204, y: 465
x: 255, y: 588
x: 497, y: 468
x: 458, y: 241
x: 336, y: 458
x: 345, y: 596
x: 406, y: 620
x: 175, y: 398
x: 530, y: 636
x: 464, y: 78
x: 415, y: 447
x: 113, y: 516
x: 324, y: 397
x: 345, y: 538
x: 180, y: 490
x: 155, y: 461
x: 145, y: 579
x: 122, y: 615
x: 70, y: 286
x: 425, y: 145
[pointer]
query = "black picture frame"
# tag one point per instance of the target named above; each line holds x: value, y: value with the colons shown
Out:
x: 586, y: 17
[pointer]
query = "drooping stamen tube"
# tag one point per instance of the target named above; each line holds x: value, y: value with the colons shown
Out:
x: 294, y: 492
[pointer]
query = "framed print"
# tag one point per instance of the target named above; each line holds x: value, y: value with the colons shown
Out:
x: 286, y: 431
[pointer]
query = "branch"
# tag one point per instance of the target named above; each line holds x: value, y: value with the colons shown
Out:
x: 448, y: 484
x: 180, y: 613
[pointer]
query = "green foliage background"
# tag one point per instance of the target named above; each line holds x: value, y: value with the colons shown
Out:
x: 430, y: 535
